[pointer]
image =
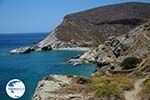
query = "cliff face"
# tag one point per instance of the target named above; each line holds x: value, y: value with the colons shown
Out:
x: 94, y: 26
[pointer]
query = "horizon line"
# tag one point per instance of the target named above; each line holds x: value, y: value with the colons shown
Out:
x: 21, y: 32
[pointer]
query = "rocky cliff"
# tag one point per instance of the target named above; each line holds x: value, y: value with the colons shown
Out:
x: 136, y: 43
x: 94, y: 26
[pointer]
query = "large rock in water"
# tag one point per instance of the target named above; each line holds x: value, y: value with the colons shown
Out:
x: 94, y: 26
x: 22, y: 50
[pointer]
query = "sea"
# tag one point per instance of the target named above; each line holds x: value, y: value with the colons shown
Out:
x: 31, y: 68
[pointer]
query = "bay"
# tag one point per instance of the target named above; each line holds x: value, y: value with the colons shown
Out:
x: 30, y: 68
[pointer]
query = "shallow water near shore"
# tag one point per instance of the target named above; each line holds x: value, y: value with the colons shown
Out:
x: 30, y: 68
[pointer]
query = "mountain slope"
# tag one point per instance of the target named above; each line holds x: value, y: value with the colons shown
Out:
x: 92, y: 27
x: 141, y: 46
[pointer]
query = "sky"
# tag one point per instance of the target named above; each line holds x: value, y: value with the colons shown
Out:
x: 32, y: 16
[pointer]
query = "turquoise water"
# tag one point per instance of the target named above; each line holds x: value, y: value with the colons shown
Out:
x: 30, y: 68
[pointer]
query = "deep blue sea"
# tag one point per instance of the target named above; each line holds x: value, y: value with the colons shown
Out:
x: 32, y: 67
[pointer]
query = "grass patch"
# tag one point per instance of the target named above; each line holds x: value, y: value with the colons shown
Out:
x: 107, y: 90
x: 147, y: 85
x: 107, y: 86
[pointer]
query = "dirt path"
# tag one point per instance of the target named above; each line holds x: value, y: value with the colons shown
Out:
x: 133, y: 94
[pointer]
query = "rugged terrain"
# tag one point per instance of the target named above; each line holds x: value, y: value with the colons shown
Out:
x: 122, y: 74
x: 122, y: 57
x: 136, y: 43
x: 92, y: 27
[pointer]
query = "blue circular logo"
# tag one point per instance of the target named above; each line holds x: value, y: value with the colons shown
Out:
x: 15, y: 88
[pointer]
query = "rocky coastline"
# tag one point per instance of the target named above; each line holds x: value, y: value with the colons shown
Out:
x: 119, y: 44
x: 113, y: 80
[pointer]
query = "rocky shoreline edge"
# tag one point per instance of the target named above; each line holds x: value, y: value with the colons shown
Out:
x: 52, y: 87
x: 25, y: 50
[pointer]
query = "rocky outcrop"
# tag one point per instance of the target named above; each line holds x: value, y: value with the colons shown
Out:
x: 141, y: 44
x: 93, y: 27
x: 49, y: 85
x: 101, y: 55
x: 52, y: 40
x: 25, y: 50
x: 115, y: 49
x: 22, y: 50
x: 54, y: 87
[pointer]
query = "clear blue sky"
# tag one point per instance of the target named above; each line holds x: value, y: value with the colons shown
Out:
x: 23, y: 16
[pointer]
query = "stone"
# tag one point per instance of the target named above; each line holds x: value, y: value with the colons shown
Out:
x: 75, y: 61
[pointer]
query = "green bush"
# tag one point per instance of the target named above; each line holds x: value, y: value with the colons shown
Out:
x: 130, y: 62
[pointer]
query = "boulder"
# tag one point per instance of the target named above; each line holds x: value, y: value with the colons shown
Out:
x: 75, y: 61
